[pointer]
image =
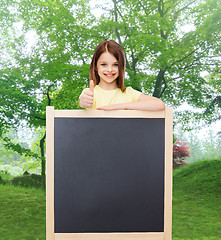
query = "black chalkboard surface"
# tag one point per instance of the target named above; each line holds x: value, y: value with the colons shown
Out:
x: 109, y: 175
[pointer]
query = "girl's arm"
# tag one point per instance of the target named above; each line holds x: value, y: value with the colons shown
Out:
x: 145, y: 103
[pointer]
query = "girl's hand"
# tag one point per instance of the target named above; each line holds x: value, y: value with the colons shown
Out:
x: 87, y: 97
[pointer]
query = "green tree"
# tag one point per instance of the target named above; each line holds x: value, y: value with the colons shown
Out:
x: 59, y: 56
x: 7, y: 156
x: 163, y: 59
x: 201, y: 147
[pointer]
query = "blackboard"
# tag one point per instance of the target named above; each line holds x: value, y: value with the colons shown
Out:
x: 109, y: 174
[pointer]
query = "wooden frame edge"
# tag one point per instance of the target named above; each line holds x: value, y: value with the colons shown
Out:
x: 168, y: 173
x: 111, y: 114
x: 110, y: 236
x: 50, y: 115
x: 50, y: 173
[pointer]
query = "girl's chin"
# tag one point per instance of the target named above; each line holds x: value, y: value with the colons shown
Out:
x: 107, y: 81
x: 110, y: 76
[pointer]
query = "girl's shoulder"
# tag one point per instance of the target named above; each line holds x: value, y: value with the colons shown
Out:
x: 131, y: 90
x: 134, y: 94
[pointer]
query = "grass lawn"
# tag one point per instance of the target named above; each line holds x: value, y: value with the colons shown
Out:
x: 22, y: 213
x: 197, y: 201
x: 196, y: 206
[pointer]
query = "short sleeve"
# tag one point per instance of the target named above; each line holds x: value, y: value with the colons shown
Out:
x: 133, y: 93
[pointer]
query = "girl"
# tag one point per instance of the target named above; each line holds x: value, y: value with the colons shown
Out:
x: 107, y: 90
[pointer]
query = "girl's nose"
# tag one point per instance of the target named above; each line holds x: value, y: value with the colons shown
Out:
x: 109, y: 68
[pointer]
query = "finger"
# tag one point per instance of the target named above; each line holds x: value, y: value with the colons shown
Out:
x: 88, y: 105
x: 89, y: 102
x: 88, y: 97
x: 89, y: 93
x: 92, y: 85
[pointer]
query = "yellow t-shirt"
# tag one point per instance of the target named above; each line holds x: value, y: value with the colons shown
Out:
x: 108, y: 97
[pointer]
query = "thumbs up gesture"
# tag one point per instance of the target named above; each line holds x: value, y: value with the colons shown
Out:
x: 87, y: 97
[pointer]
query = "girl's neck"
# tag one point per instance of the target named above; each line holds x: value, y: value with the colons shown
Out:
x: 112, y: 86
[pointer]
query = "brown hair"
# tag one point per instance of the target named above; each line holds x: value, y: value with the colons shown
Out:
x: 117, y: 51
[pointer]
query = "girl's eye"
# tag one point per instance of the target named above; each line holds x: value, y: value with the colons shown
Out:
x: 103, y: 64
x: 116, y: 64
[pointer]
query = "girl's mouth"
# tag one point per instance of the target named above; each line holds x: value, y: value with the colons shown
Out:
x: 109, y: 75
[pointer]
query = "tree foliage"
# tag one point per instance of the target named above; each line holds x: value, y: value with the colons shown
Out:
x: 164, y: 58
x: 168, y: 45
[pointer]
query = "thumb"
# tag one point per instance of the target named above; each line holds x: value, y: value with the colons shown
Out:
x: 92, y: 85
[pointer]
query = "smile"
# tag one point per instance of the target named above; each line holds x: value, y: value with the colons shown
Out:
x: 109, y: 75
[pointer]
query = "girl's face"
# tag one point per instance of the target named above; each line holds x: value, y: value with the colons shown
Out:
x: 107, y: 67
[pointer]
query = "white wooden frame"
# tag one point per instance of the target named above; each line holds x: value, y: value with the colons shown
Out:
x: 51, y: 114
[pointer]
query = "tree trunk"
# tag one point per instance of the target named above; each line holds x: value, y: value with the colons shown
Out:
x: 159, y: 84
x: 42, y: 141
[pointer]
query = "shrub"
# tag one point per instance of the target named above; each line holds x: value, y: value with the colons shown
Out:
x: 180, y: 152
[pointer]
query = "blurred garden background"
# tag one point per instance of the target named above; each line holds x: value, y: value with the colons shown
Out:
x: 173, y: 52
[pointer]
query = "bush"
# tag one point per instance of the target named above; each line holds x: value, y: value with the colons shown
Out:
x: 180, y: 152
x: 27, y: 180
